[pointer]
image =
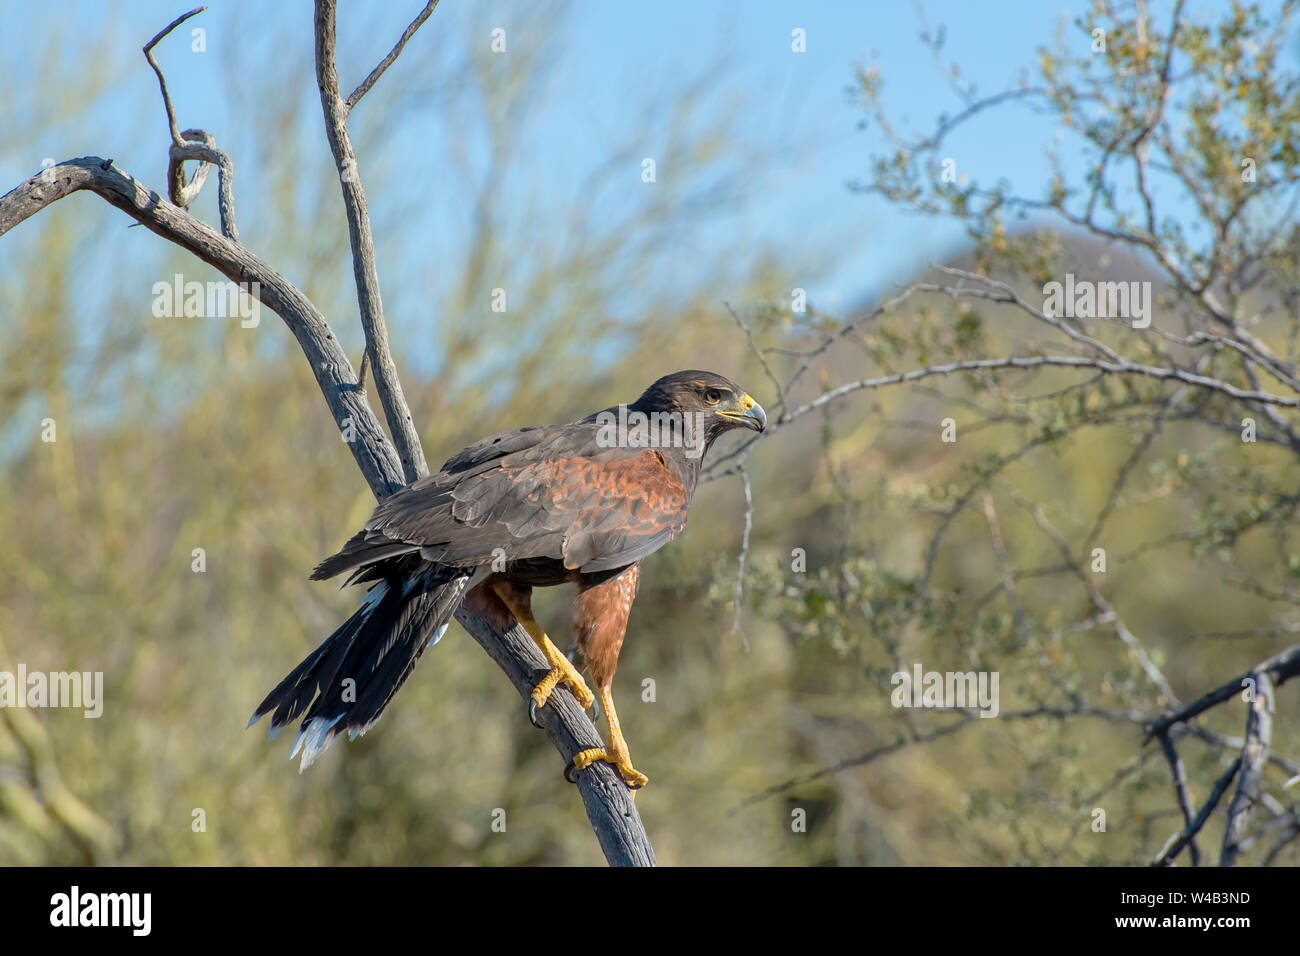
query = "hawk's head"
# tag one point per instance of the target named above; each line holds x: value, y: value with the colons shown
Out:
x: 715, y: 401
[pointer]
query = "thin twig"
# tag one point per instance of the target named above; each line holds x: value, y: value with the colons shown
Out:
x: 1123, y: 367
x: 162, y: 83
x: 361, y: 372
x: 193, y: 144
x: 740, y: 563
x: 758, y: 354
x: 387, y: 61
x: 1180, y: 790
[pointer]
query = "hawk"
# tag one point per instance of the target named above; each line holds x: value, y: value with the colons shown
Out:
x: 581, y: 503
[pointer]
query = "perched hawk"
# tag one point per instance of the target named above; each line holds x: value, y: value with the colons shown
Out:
x: 534, y: 507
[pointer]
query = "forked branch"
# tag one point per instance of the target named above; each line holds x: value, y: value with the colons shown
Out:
x: 386, y: 468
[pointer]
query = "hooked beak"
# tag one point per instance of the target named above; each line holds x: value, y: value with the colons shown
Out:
x: 747, y: 412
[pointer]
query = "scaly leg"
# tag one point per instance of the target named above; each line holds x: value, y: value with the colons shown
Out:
x: 615, y: 752
x: 517, y: 601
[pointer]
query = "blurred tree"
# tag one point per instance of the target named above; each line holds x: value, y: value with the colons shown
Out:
x: 1090, y: 488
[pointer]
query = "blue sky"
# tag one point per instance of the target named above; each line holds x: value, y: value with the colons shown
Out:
x: 619, y: 58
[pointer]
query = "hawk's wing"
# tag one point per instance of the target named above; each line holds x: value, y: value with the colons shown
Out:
x: 531, y: 493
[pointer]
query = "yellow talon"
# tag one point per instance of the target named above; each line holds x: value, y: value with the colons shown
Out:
x: 561, y: 670
x: 516, y: 601
x: 634, y: 778
x: 616, y: 754
x: 585, y: 758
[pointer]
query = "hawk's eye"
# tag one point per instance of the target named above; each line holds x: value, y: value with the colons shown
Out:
x: 713, y: 396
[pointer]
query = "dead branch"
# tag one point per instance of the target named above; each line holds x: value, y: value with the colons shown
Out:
x: 393, y: 54
x: 1180, y: 840
x: 364, y: 270
x: 1254, y: 755
x: 1279, y: 668
x: 609, y: 804
x: 1179, y: 775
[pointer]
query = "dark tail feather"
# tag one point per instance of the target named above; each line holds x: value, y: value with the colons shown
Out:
x: 376, y: 649
x: 364, y: 555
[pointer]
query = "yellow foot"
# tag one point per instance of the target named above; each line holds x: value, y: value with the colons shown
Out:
x: 634, y: 778
x: 561, y: 670
x: 516, y: 600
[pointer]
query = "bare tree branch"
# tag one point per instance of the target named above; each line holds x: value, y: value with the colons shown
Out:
x: 1279, y: 668
x: 387, y: 61
x: 966, y: 717
x: 760, y: 355
x: 1123, y: 367
x: 1180, y: 789
x: 1291, y: 833
x: 1180, y: 840
x: 739, y: 598
x: 162, y: 83
x: 387, y: 385
x: 193, y: 144
x: 1254, y: 755
x: 179, y: 191
x: 208, y: 155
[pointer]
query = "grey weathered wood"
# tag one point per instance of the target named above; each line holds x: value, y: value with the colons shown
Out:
x: 387, y: 384
x: 1254, y: 755
x: 608, y: 802
x: 203, y: 150
x: 364, y: 86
